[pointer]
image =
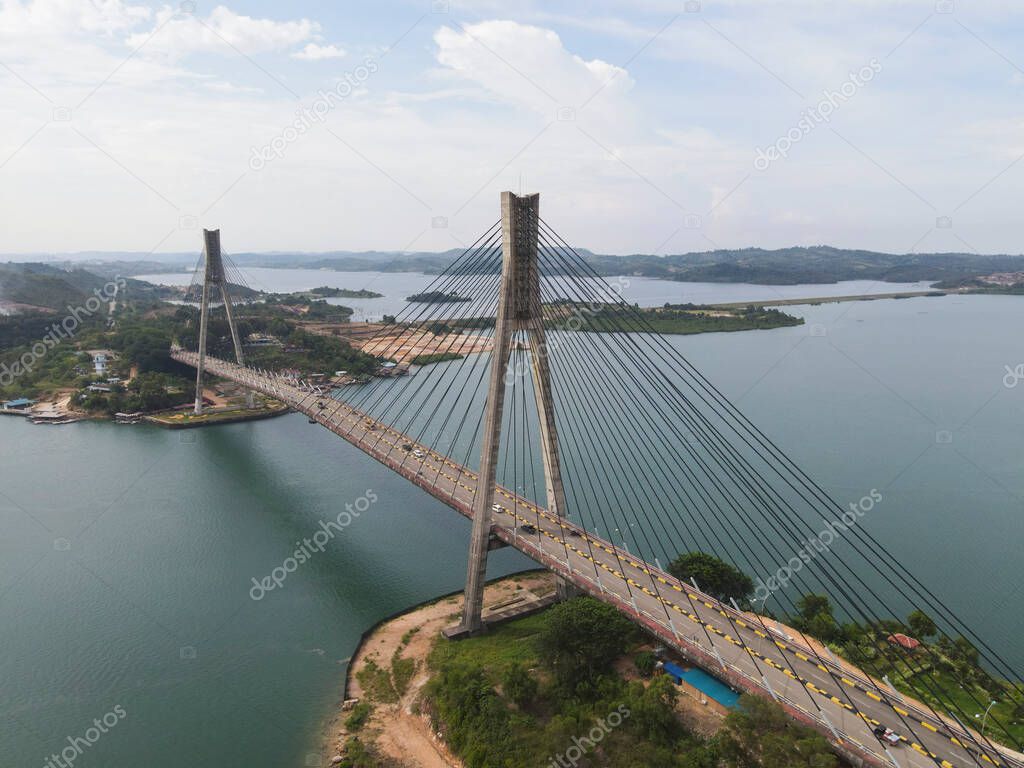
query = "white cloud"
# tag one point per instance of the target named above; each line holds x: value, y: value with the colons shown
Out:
x: 56, y: 18
x: 452, y: 123
x: 317, y: 52
x: 527, y: 66
x: 223, y: 32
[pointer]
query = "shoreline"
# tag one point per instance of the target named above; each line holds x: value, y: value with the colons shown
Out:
x: 215, y: 418
x: 931, y: 293
x: 396, y: 728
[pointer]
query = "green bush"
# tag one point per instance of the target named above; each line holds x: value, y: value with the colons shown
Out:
x: 645, y: 663
x: 402, y: 671
x: 358, y: 716
x: 581, y: 639
x: 713, y: 575
x: 518, y: 685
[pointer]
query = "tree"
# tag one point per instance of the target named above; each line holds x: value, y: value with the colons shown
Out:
x: 645, y: 663
x: 713, y: 575
x: 519, y: 685
x: 652, y: 710
x: 814, y: 616
x: 581, y: 638
x: 921, y: 624
x: 149, y: 348
x: 759, y: 734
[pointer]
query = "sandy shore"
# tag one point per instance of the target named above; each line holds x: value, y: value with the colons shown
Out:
x: 398, y: 732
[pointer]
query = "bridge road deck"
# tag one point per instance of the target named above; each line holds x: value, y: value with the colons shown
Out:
x: 731, y: 644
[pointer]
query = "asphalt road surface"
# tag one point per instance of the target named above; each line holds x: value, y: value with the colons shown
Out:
x: 735, y: 645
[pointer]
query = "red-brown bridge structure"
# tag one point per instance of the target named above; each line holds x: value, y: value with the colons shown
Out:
x: 582, y: 419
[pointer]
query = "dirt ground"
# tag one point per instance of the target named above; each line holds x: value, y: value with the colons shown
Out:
x: 405, y: 346
x: 59, y: 405
x: 402, y: 735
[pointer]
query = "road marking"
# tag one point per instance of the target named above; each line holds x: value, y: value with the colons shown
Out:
x: 337, y: 417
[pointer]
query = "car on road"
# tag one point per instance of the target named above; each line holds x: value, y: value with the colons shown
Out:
x: 527, y: 528
x: 886, y: 734
x: 574, y: 533
x: 418, y: 453
x: 497, y: 508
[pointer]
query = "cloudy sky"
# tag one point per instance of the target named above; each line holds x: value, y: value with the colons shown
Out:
x: 656, y: 126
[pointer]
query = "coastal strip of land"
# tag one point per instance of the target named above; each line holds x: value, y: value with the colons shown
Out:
x: 932, y: 292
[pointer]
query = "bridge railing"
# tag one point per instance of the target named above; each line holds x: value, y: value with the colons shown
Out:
x: 276, y: 385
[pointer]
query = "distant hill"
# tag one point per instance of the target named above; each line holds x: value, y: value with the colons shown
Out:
x: 44, y: 286
x: 783, y: 266
x: 819, y: 264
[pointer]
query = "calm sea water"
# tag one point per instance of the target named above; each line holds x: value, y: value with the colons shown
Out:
x: 127, y: 553
x: 646, y: 292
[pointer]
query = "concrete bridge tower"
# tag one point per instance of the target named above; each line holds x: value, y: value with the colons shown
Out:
x: 214, y: 277
x: 519, y: 310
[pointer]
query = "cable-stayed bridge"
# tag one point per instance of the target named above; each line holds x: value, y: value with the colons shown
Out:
x: 523, y: 392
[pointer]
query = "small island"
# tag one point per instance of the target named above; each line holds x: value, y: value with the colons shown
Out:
x: 325, y: 292
x: 436, y: 297
x: 669, y: 319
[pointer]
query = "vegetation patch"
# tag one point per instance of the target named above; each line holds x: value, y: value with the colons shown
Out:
x: 437, y: 357
x: 402, y: 670
x: 543, y: 688
x: 358, y: 716
x: 669, y: 319
x: 437, y: 297
x: 376, y: 681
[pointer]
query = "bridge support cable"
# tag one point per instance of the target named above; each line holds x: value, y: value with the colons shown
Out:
x: 391, y: 405
x: 596, y: 446
x: 636, y: 328
x: 743, y: 426
x: 923, y: 681
x: 469, y: 271
x: 386, y: 340
x: 417, y: 398
x: 620, y: 364
x: 796, y: 580
x: 637, y: 389
x: 517, y: 303
x: 577, y: 360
